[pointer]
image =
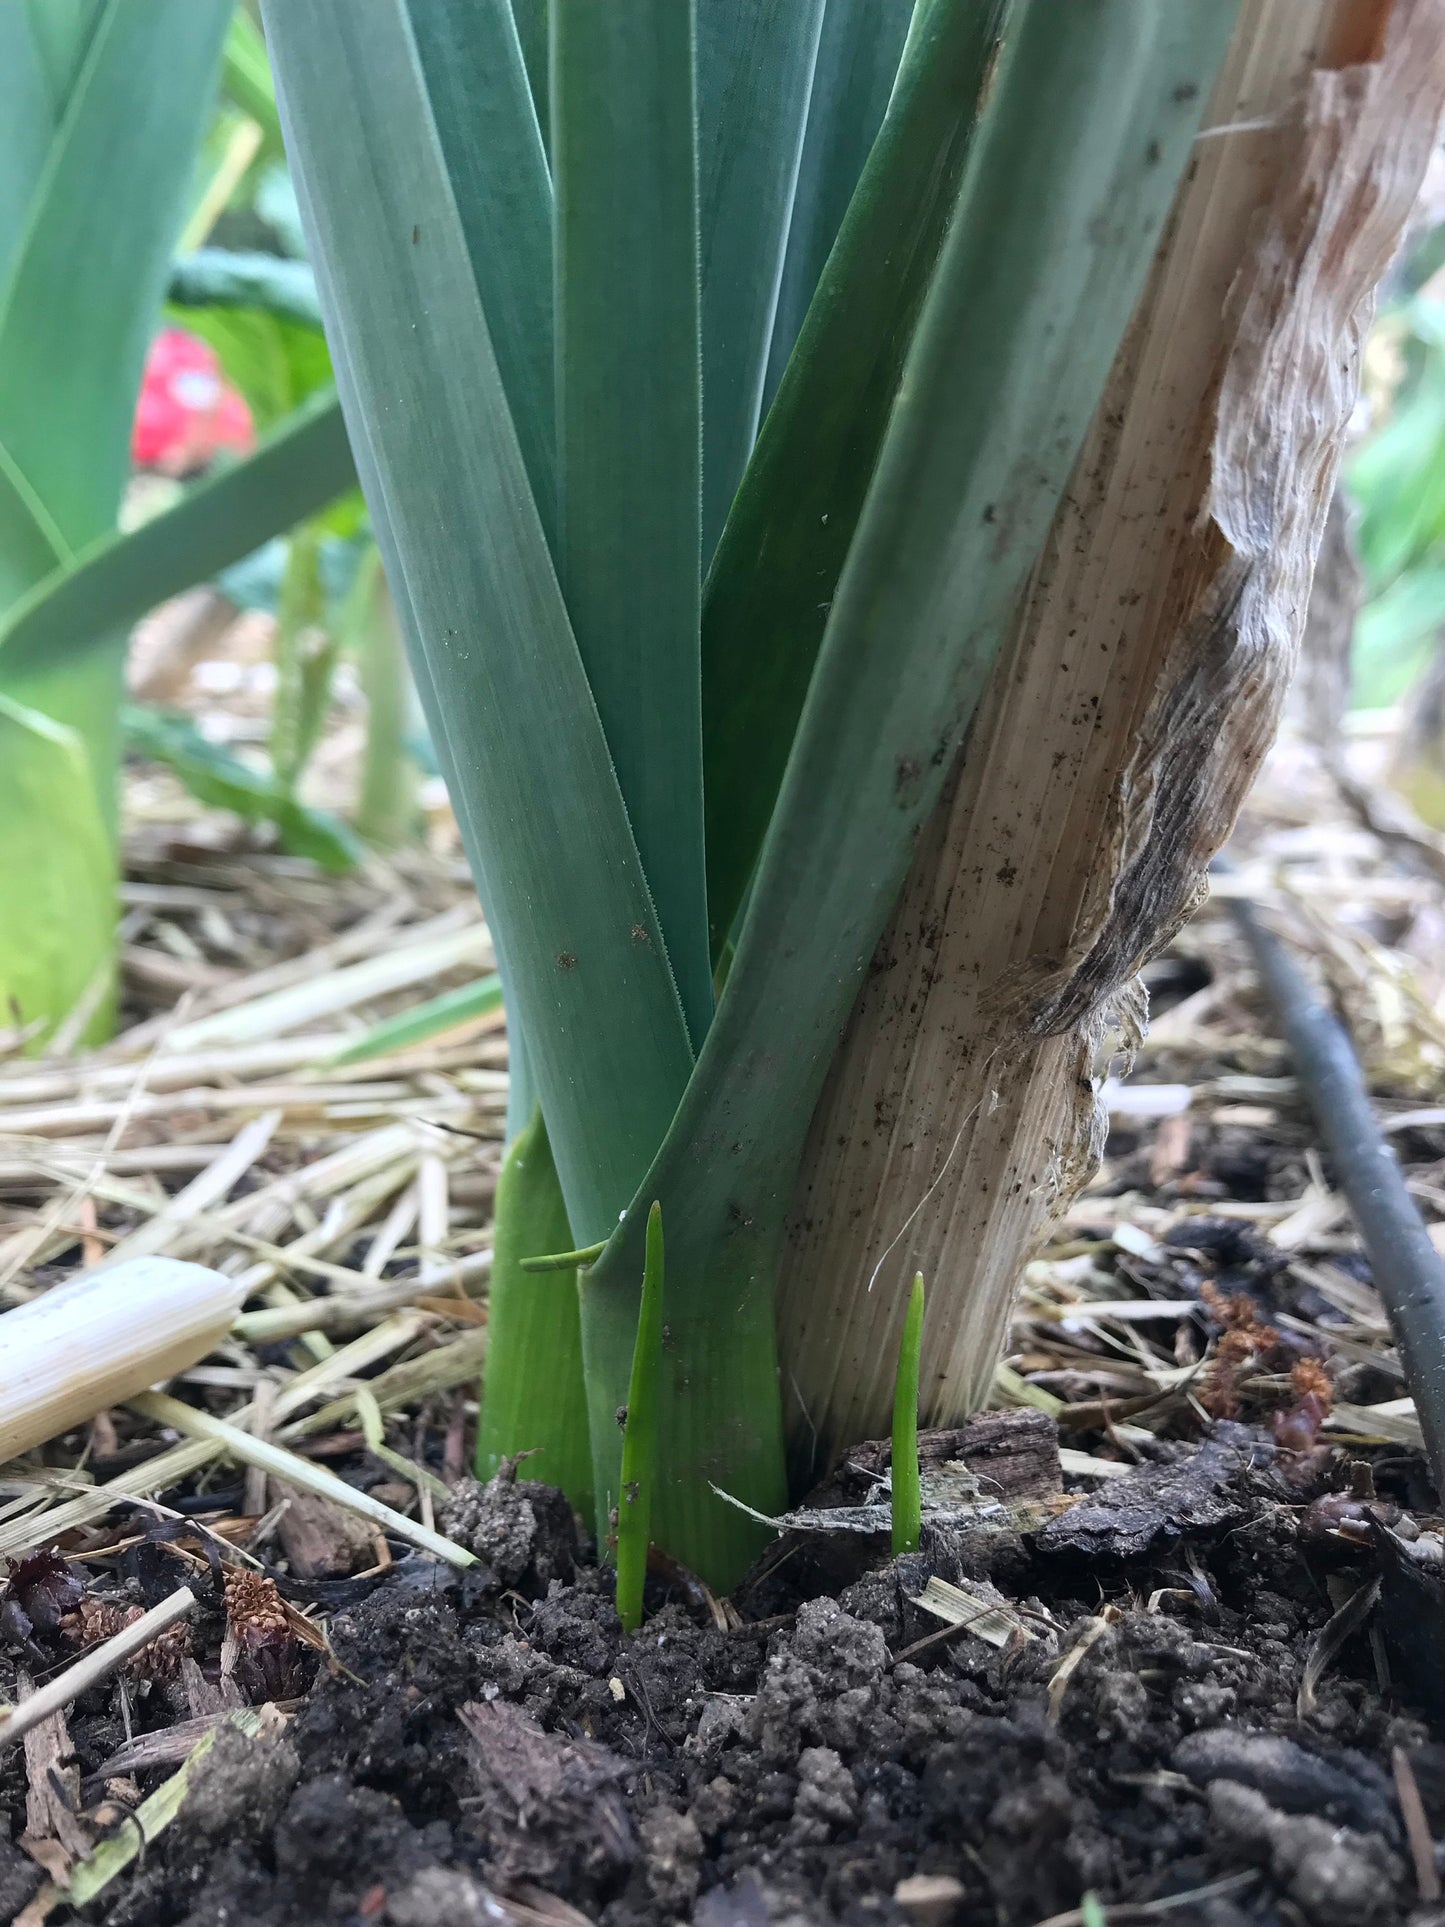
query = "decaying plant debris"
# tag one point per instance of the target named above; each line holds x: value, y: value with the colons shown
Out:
x: 1166, y: 609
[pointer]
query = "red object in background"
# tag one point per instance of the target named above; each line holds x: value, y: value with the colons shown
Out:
x: 187, y: 412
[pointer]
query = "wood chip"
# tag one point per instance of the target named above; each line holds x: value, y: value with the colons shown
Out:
x: 52, y: 1799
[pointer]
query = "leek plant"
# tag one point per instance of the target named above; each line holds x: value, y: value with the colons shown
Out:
x: 697, y: 673
x: 259, y: 314
x: 103, y: 109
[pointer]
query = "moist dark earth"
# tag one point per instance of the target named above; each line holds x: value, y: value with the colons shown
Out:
x: 487, y: 1745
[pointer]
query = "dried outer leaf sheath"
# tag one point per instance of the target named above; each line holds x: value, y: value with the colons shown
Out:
x: 639, y: 1437
x: 907, y: 1487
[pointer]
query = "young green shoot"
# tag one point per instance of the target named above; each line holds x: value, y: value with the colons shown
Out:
x: 639, y: 1436
x: 565, y: 1260
x: 907, y: 1490
x: 423, y: 1022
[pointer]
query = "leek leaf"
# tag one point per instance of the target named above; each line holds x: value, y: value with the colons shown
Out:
x: 628, y: 416
x: 754, y: 78
x: 772, y: 581
x: 858, y: 56
x: 532, y: 32
x: 61, y: 30
x: 640, y: 1435
x: 496, y: 664
x: 534, y: 1332
x: 482, y: 108
x: 25, y: 127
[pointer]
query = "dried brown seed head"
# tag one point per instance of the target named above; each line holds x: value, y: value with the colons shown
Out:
x: 161, y: 1660
x: 254, y: 1608
x: 1310, y: 1379
x: 96, y: 1620
x: 271, y: 1663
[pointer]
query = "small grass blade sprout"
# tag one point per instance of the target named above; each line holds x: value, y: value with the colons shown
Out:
x: 639, y: 1437
x: 907, y: 1490
x: 565, y: 1260
x: 422, y: 1022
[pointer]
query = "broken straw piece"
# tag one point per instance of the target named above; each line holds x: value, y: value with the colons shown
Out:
x: 102, y: 1337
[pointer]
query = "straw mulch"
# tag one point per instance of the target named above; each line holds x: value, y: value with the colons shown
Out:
x: 355, y: 1199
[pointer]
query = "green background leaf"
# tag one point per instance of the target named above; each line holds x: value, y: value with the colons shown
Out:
x: 215, y: 523
x: 215, y: 776
x: 57, y: 878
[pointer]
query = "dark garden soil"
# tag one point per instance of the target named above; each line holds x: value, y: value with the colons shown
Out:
x: 1138, y: 1734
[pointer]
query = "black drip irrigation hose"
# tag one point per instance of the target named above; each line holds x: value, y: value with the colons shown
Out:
x: 1409, y: 1273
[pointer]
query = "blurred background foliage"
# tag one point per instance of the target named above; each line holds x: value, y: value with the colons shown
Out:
x: 1395, y: 477
x: 240, y: 350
